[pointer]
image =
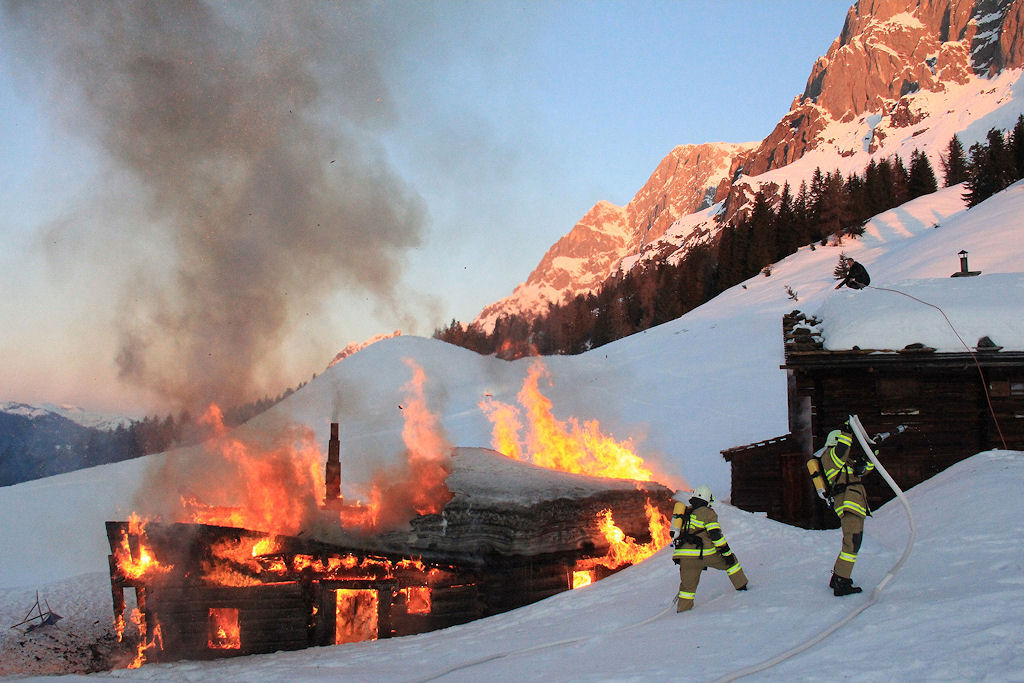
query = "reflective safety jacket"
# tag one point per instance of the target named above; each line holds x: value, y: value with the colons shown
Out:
x: 844, y: 474
x: 702, y: 522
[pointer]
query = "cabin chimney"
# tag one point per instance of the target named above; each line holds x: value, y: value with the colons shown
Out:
x: 964, y: 270
x: 333, y: 472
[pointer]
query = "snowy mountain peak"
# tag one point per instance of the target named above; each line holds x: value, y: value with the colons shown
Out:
x: 685, y: 181
x: 887, y: 79
x: 68, y: 412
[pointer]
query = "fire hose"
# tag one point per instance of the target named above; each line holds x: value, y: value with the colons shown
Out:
x: 866, y: 444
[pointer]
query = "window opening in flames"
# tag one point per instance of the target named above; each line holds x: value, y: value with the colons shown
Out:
x: 223, y: 629
x: 581, y: 578
x: 355, y: 615
x: 417, y: 599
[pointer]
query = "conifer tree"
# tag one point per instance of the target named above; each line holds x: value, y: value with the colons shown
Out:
x: 922, y: 177
x: 954, y: 163
x: 786, y: 228
x: 1016, y: 144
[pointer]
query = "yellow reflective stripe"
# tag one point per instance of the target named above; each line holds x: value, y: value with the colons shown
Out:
x: 849, y: 557
x: 720, y: 542
x: 733, y: 569
x: 693, y: 552
x: 697, y: 524
x: 855, y: 508
x: 683, y: 595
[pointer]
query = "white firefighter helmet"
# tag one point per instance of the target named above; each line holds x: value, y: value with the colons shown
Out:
x: 704, y: 493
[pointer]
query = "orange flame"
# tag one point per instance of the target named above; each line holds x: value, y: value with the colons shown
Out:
x: 134, y: 566
x: 267, y: 486
x: 139, y: 619
x: 623, y: 549
x: 224, y: 633
x: 416, y: 486
x: 561, y: 445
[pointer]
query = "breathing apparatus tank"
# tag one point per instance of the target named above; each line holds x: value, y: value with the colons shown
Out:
x: 815, y: 470
x: 817, y: 476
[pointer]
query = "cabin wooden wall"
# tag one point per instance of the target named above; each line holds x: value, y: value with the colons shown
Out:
x: 944, y: 404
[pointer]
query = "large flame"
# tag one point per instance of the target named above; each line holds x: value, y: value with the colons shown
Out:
x: 255, y: 485
x: 561, y: 445
x: 417, y: 485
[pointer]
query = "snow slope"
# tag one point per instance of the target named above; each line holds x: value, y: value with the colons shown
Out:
x: 683, y: 391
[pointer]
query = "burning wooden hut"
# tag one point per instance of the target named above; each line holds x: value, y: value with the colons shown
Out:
x: 511, y: 534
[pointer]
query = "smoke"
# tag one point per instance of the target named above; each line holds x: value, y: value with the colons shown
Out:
x: 240, y: 142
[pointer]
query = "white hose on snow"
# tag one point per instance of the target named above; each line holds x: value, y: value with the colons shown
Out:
x: 858, y: 431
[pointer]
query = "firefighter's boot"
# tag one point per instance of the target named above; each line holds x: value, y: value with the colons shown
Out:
x: 841, y: 585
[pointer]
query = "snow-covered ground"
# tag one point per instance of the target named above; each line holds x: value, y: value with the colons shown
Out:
x: 682, y: 392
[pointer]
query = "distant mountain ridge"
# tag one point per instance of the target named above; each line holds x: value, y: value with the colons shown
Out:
x: 40, y: 441
x: 877, y: 73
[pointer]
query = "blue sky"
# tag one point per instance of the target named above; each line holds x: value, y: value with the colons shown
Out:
x: 496, y: 124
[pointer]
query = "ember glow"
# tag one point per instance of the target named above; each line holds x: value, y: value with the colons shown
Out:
x: 223, y: 629
x: 356, y: 617
x: 581, y: 578
x: 417, y: 599
x: 561, y: 445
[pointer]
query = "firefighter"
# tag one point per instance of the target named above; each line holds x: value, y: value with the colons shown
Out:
x: 698, y: 543
x: 845, y: 467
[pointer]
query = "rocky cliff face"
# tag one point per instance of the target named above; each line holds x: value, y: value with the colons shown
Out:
x: 888, y: 51
x: 685, y: 181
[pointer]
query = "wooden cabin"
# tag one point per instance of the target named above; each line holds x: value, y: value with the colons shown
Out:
x: 205, y: 591
x: 956, y: 404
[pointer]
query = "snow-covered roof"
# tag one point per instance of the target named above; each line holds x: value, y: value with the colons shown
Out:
x: 946, y: 314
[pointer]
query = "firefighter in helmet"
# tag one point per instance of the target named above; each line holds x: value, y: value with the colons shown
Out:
x: 845, y: 468
x: 698, y: 543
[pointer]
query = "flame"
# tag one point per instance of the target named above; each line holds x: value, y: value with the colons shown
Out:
x: 134, y: 566
x: 139, y: 619
x: 223, y: 629
x: 119, y: 626
x: 416, y: 486
x: 561, y: 445
x: 266, y: 486
x: 623, y: 549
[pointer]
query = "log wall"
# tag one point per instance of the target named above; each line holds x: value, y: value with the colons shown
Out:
x: 945, y: 399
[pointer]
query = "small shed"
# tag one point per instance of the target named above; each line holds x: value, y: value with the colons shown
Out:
x: 957, y: 398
